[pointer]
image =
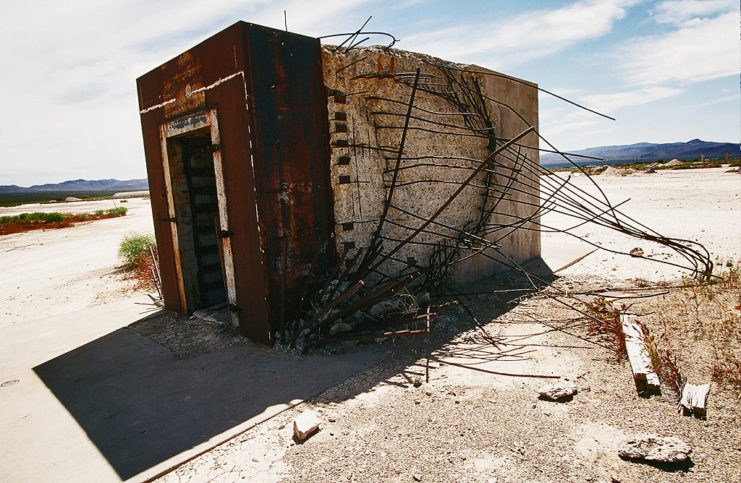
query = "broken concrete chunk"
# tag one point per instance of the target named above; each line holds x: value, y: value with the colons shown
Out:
x: 655, y: 448
x: 558, y: 391
x: 382, y: 307
x: 694, y: 399
x: 305, y: 424
x: 644, y: 375
x: 339, y: 328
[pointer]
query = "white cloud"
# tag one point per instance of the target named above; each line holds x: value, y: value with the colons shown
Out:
x: 524, y: 37
x: 698, y: 51
x: 618, y: 100
x: 680, y: 11
x: 70, y: 70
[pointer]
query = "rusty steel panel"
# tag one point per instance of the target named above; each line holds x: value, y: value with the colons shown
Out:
x: 270, y: 135
x: 291, y: 154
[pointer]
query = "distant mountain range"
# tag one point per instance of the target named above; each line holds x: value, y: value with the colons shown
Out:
x: 80, y: 185
x: 648, y: 152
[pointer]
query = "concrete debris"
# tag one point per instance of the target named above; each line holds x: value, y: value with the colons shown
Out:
x: 694, y: 399
x: 305, y: 424
x: 339, y: 328
x: 655, y: 448
x: 382, y: 307
x: 640, y: 362
x: 558, y: 391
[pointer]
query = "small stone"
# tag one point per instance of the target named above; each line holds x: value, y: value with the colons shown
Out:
x: 558, y: 391
x: 614, y: 479
x: 416, y: 402
x: 339, y: 328
x: 416, y: 382
x: 428, y: 393
x: 636, y: 252
x: 305, y: 424
x: 655, y: 448
x: 382, y: 307
x: 417, y: 477
x: 332, y: 420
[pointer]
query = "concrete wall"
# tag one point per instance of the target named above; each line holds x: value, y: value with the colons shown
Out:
x: 369, y: 92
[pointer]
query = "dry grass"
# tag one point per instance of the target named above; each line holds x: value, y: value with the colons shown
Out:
x: 606, y: 324
x: 699, y: 330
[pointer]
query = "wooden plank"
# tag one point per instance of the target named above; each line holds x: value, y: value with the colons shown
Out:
x: 694, y: 399
x: 640, y: 362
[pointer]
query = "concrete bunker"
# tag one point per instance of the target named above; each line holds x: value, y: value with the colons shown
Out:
x: 287, y: 175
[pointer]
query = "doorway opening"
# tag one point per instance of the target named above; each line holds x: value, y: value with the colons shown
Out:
x: 197, y: 218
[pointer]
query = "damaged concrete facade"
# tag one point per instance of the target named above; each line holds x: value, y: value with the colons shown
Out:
x: 365, y: 130
x: 268, y: 156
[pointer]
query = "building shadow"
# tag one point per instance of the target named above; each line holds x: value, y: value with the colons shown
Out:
x: 141, y: 405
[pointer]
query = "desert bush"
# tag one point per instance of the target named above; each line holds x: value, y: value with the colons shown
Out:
x: 35, y: 217
x: 134, y: 248
x: 120, y: 211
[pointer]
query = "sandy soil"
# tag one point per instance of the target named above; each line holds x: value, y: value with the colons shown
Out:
x: 466, y: 424
x: 48, y: 272
x: 702, y: 205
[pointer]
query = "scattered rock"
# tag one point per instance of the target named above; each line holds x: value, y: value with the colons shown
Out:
x: 305, y: 424
x: 636, y: 252
x: 382, y: 307
x: 416, y: 382
x: 339, y: 328
x: 417, y: 477
x: 655, y: 448
x: 558, y: 391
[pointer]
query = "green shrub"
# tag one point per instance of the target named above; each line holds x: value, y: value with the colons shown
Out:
x: 33, y: 217
x: 99, y: 212
x: 121, y: 210
x: 135, y: 247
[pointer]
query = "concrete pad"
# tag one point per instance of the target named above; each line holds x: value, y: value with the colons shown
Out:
x: 97, y: 402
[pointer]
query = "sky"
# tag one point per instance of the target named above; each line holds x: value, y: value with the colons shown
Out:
x: 667, y: 70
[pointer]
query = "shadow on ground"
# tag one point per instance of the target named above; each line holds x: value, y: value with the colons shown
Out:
x: 141, y: 405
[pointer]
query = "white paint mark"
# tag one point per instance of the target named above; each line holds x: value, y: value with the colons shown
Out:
x: 152, y: 108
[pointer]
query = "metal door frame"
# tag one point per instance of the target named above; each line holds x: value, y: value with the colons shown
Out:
x: 185, y: 125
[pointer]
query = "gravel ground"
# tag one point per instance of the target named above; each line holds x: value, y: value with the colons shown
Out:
x: 465, y: 424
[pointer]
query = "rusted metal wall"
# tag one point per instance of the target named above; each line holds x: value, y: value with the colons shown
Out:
x: 266, y: 88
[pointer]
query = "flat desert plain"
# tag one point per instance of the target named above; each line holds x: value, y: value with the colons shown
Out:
x: 462, y: 425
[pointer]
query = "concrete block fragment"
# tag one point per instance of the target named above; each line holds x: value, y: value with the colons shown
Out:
x: 305, y: 424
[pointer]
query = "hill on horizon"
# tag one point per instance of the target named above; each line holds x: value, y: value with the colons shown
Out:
x: 648, y: 152
x: 79, y: 185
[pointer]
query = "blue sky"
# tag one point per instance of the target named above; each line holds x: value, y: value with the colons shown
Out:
x: 667, y: 70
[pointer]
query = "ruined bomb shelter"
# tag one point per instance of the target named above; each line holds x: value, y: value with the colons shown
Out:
x: 285, y: 174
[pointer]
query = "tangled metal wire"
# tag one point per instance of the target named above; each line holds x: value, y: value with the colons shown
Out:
x: 362, y: 299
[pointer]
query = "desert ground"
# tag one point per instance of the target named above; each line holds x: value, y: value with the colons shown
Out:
x: 448, y: 407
